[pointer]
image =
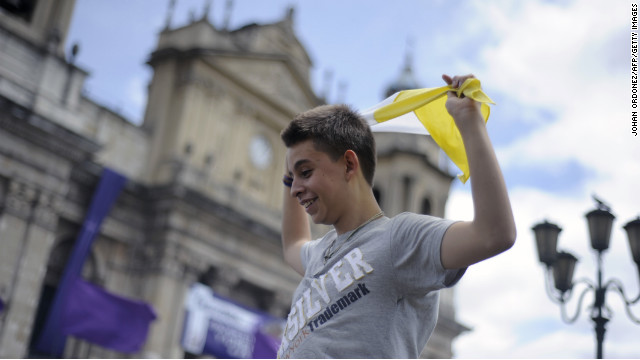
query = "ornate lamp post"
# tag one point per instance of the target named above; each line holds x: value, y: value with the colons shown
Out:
x: 560, y: 266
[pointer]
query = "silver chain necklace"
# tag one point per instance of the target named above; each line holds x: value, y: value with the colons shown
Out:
x: 328, y: 253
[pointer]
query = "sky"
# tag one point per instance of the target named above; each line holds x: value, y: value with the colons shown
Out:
x: 560, y: 73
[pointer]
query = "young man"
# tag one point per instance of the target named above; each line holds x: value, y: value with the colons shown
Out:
x: 369, y: 287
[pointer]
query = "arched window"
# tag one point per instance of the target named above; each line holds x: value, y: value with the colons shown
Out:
x: 426, y: 206
x: 407, y: 185
x: 23, y: 9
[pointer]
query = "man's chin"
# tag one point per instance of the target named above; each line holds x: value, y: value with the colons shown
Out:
x: 318, y: 220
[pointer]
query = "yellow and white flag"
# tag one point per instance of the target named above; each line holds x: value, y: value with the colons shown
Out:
x: 402, y: 111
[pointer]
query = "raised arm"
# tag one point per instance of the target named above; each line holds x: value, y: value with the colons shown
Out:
x: 295, y: 230
x: 492, y: 229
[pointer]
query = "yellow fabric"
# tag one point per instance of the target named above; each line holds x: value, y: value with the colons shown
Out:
x: 429, y: 107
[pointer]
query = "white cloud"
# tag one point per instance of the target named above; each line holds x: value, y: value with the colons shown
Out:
x: 137, y: 94
x: 545, y: 48
x: 571, y: 343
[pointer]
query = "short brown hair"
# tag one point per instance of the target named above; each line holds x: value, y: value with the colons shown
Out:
x: 335, y: 129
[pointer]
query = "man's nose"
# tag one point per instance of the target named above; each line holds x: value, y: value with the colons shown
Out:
x: 296, y: 188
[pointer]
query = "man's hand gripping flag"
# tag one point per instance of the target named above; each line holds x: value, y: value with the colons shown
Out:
x: 427, y: 106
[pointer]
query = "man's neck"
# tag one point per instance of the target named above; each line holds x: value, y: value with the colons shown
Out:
x: 357, y: 215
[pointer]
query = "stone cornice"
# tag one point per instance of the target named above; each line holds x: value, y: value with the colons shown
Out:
x: 171, y: 193
x: 45, y: 133
x: 201, y: 53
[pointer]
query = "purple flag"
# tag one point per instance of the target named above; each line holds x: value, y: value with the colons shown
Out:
x: 1, y: 305
x: 105, y: 319
x: 51, y: 340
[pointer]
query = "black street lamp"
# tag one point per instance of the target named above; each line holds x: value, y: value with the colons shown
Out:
x: 560, y: 266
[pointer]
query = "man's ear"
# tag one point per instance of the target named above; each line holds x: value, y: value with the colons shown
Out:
x: 352, y: 164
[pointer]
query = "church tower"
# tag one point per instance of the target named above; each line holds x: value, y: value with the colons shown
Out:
x: 217, y: 103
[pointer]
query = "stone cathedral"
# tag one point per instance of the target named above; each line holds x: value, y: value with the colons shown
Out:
x: 203, y: 198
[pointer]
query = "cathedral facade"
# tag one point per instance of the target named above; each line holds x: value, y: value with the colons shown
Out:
x: 202, y: 202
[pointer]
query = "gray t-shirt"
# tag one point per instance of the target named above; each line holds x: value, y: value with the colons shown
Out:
x: 375, y: 297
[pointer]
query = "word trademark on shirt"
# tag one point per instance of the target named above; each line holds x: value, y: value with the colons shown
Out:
x: 341, y: 304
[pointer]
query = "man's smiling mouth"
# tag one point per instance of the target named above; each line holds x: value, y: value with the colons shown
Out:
x: 308, y: 203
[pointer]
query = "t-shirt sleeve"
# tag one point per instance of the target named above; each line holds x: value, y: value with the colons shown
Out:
x: 307, y: 250
x: 415, y: 247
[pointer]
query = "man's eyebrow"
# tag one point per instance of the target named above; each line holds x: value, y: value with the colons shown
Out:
x: 299, y: 163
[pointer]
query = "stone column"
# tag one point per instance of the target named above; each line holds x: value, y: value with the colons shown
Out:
x: 13, y: 226
x: 166, y: 289
x: 27, y: 232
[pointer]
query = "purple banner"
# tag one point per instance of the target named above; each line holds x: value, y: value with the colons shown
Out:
x: 51, y: 339
x: 267, y: 339
x: 217, y: 326
x: 109, y: 320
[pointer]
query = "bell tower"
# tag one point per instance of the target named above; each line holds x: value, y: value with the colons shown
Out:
x: 410, y: 175
x: 217, y: 103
